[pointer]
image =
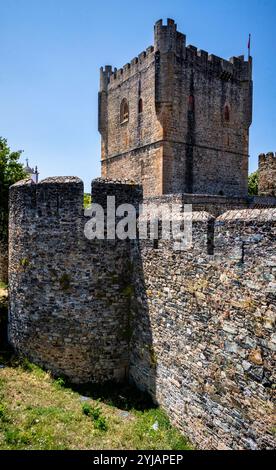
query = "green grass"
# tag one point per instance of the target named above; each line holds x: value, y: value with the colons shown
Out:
x: 39, y: 412
x: 3, y: 312
x: 3, y: 292
x: 96, y: 414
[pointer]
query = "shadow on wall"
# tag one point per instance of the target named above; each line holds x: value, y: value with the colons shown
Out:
x: 143, y: 359
x: 203, y: 338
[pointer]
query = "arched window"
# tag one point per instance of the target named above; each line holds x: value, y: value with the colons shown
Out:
x: 140, y: 106
x: 191, y: 103
x: 226, y: 113
x: 124, y: 112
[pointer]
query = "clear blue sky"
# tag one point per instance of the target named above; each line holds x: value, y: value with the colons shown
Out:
x: 51, y: 51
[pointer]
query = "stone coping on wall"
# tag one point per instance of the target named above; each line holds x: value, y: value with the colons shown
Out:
x: 61, y: 179
x: 198, y: 198
x: 261, y: 215
x: 50, y: 180
x: 114, y: 181
x: 25, y: 182
x: 195, y: 216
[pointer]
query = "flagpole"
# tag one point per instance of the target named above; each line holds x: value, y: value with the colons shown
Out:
x: 249, y: 46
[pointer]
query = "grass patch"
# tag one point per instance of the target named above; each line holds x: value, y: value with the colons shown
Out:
x: 38, y: 412
x: 3, y: 314
x: 3, y: 287
x: 96, y: 414
x: 153, y: 430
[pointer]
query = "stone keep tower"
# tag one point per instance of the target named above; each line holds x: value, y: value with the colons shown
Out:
x: 177, y: 119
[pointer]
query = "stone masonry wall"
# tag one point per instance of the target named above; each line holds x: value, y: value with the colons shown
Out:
x: 267, y: 174
x: 195, y: 328
x: 215, y: 205
x: 69, y: 301
x: 204, y: 339
x: 131, y: 149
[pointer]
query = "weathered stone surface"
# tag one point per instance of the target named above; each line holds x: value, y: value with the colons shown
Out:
x: 68, y: 307
x: 213, y: 368
x: 255, y: 356
x: 189, y: 327
x: 267, y: 174
x: 192, y: 132
x: 193, y: 328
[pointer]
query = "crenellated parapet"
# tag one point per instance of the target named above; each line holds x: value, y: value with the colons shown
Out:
x: 168, y: 39
x: 56, y: 198
x: 131, y: 68
x: 267, y: 174
x: 267, y: 159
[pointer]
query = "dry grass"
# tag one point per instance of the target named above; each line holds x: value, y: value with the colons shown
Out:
x: 3, y: 291
x: 38, y: 412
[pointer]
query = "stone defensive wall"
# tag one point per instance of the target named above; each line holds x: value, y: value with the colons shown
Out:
x: 194, y: 328
x: 69, y: 296
x: 204, y: 338
x: 215, y: 205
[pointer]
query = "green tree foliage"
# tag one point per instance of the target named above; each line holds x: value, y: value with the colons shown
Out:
x: 86, y: 200
x: 10, y: 172
x: 253, y: 182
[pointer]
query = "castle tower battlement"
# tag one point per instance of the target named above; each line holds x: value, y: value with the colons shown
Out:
x: 167, y: 38
x: 267, y: 174
x: 176, y: 119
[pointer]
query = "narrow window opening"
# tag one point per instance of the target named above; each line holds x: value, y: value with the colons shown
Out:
x: 140, y: 106
x: 124, y: 111
x: 191, y: 103
x: 226, y: 113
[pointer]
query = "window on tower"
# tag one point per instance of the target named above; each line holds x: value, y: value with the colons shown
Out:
x: 124, y: 111
x: 140, y: 106
x: 226, y: 113
x: 191, y: 103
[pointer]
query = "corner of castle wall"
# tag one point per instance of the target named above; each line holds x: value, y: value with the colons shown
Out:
x: 167, y: 38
